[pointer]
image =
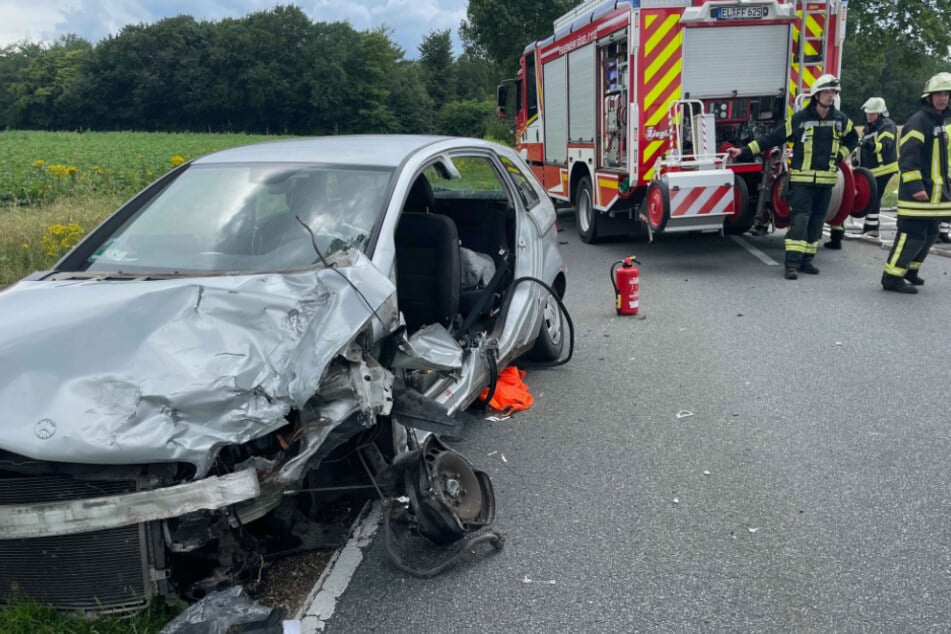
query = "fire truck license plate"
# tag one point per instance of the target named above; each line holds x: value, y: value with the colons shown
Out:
x: 740, y: 13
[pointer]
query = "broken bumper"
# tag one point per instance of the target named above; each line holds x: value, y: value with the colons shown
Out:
x: 50, y: 519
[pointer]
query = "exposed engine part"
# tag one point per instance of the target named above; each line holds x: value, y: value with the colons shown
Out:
x: 449, y: 501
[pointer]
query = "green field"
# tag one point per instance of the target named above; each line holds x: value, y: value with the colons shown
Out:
x: 56, y: 186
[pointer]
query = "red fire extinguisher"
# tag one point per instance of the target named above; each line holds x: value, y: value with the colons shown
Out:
x: 627, y: 285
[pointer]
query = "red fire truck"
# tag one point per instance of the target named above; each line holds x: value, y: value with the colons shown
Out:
x: 627, y: 110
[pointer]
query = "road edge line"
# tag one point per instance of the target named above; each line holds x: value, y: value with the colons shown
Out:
x: 321, y: 601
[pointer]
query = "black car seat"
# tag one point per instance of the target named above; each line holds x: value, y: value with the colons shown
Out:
x: 427, y: 261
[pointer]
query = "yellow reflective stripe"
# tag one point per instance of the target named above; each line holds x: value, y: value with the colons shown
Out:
x: 936, y: 179
x: 848, y: 127
x: 796, y: 246
x: 844, y: 152
x: 807, y: 149
x: 914, y: 266
x: 839, y: 227
x: 907, y: 135
x: 788, y: 127
x: 881, y: 170
x: 883, y: 135
x: 810, y: 176
x: 933, y: 211
x: 754, y: 148
x: 811, y: 248
x: 910, y: 176
x: 890, y: 265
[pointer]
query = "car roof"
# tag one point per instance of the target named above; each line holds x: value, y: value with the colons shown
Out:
x: 387, y: 150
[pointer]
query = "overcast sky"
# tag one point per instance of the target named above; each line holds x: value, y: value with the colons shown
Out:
x: 45, y: 20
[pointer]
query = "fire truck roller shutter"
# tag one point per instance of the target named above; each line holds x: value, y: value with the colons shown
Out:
x: 582, y: 74
x: 743, y: 212
x: 556, y: 112
x: 745, y: 59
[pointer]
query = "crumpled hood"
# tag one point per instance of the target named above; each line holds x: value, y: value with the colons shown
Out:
x: 122, y: 372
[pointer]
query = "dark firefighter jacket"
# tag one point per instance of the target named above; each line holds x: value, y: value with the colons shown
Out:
x: 818, y: 144
x: 923, y: 165
x: 879, y: 147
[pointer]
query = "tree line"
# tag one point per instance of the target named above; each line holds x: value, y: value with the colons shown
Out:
x: 278, y: 72
x: 271, y: 72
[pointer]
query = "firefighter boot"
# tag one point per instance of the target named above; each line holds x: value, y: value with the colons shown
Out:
x: 897, y: 284
x: 914, y: 278
x: 836, y: 239
x: 809, y: 267
x: 791, y: 273
x: 870, y: 231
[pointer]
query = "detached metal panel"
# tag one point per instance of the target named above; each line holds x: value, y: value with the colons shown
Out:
x: 743, y: 61
x: 556, y: 111
x: 582, y: 76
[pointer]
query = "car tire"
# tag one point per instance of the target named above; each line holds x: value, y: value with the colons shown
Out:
x: 588, y: 217
x: 551, y: 337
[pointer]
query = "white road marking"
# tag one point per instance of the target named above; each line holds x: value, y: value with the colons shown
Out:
x: 759, y: 255
x: 322, y: 600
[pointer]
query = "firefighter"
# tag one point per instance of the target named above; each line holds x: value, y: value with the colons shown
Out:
x: 821, y: 136
x: 924, y: 194
x: 878, y: 152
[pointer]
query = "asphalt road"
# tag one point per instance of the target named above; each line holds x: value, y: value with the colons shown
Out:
x: 807, y: 491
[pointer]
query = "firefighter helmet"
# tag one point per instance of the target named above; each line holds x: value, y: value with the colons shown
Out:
x: 826, y: 82
x: 939, y: 83
x: 875, y: 105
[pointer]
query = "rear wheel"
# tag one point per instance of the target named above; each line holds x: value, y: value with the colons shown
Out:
x: 658, y: 206
x: 551, y: 338
x: 588, y: 216
x: 741, y: 219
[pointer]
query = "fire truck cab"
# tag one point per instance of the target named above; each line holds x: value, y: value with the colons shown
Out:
x: 627, y: 110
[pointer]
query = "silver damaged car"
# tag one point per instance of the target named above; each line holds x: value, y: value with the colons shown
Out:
x: 257, y: 332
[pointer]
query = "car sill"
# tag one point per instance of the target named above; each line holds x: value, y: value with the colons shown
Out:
x: 50, y: 519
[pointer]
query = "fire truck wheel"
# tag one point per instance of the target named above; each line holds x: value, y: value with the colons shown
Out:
x: 741, y: 219
x: 658, y: 206
x: 866, y: 191
x: 588, y: 216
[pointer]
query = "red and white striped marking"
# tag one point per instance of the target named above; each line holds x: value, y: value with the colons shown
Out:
x: 701, y: 201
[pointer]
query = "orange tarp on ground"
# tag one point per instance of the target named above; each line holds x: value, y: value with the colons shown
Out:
x: 511, y: 393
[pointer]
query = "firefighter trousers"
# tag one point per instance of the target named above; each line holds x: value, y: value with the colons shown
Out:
x: 808, y: 205
x: 871, y: 219
x: 915, y: 237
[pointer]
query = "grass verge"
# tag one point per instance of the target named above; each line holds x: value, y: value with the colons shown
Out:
x: 27, y: 617
x: 34, y: 238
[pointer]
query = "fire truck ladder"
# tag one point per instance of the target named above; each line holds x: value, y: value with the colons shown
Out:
x: 810, y: 47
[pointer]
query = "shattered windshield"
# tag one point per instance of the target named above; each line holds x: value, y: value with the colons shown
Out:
x: 221, y: 218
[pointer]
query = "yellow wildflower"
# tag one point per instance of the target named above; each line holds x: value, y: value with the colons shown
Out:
x: 72, y: 170
x: 60, y: 238
x: 25, y: 245
x: 39, y: 164
x: 57, y: 170
x: 176, y: 160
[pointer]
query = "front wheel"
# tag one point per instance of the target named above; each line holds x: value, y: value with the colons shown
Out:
x: 551, y: 338
x: 588, y: 216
